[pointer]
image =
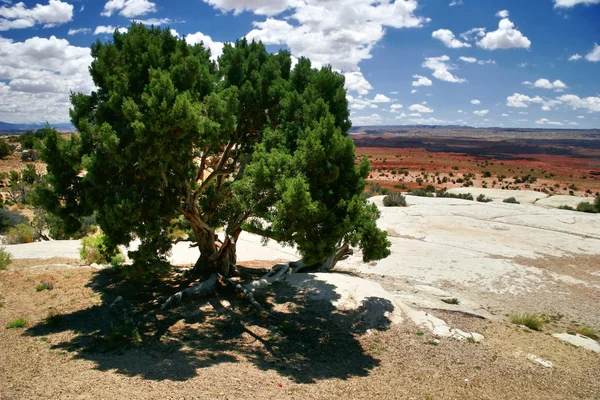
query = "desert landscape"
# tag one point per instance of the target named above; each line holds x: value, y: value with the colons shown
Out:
x: 300, y: 199
x: 435, y: 319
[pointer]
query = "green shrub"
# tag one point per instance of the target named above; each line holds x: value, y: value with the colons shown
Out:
x: 17, y: 323
x: 511, y: 200
x: 44, y: 286
x: 487, y: 174
x: 420, y: 193
x: 22, y: 233
x: 394, y: 200
x: 482, y: 199
x: 5, y: 258
x: 566, y: 208
x: 532, y: 321
x: 95, y: 250
x: 10, y: 219
x: 444, y: 193
x: 5, y: 149
x: 587, y: 331
x: 587, y: 208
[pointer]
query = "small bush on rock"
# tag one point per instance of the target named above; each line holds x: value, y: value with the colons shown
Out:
x: 587, y: 208
x: 394, y: 200
x: 563, y: 207
x: 482, y: 199
x: 511, y: 200
x: 420, y: 193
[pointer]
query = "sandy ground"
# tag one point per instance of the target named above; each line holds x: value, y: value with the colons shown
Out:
x: 495, y: 258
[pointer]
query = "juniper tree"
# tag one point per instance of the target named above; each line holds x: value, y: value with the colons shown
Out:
x: 244, y: 143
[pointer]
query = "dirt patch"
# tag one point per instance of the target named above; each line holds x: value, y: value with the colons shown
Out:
x: 306, y: 350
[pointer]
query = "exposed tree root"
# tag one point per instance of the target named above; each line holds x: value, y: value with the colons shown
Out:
x: 273, y: 275
x: 238, y: 287
x: 202, y: 289
x: 276, y: 273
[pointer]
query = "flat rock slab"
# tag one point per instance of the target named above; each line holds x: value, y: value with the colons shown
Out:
x: 563, y: 200
x: 579, y: 341
x: 347, y: 292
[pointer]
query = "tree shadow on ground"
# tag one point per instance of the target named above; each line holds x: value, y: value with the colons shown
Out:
x: 303, y: 338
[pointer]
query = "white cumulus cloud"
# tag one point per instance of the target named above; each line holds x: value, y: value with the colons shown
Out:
x: 37, y: 76
x: 420, y: 108
x: 128, y: 8
x: 421, y: 81
x: 475, y: 101
x: 592, y: 104
x: 108, y: 29
x: 502, y: 14
x: 505, y: 37
x: 521, y: 100
x: 78, y: 31
x: 441, y: 69
x: 546, y: 121
x: 447, y: 37
x: 19, y: 16
x: 573, y: 3
x: 341, y: 34
x: 216, y: 48
x: 381, y: 98
x: 481, y: 113
x: 575, y: 57
x: 594, y: 55
x: 543, y: 83
x: 355, y: 81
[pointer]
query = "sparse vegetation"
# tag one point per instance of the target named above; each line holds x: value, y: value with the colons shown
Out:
x: 21, y: 233
x: 18, y: 323
x: 587, y: 331
x: 394, y: 200
x: 44, y: 286
x: 482, y: 199
x: 94, y: 249
x: 420, y: 193
x: 510, y: 200
x: 54, y: 318
x: 10, y: 219
x: 5, y: 149
x: 463, y: 196
x: 532, y: 321
x: 587, y: 208
x: 5, y: 258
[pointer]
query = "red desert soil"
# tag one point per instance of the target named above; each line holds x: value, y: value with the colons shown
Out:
x: 549, y: 170
x: 308, y: 350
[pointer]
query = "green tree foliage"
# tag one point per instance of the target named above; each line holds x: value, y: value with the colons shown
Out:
x: 33, y: 139
x: 242, y: 143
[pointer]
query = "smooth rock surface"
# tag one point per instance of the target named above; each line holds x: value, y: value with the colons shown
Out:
x: 563, y: 200
x: 579, y: 341
x: 345, y: 292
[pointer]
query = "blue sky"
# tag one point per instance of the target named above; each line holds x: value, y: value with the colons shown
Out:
x: 512, y: 63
